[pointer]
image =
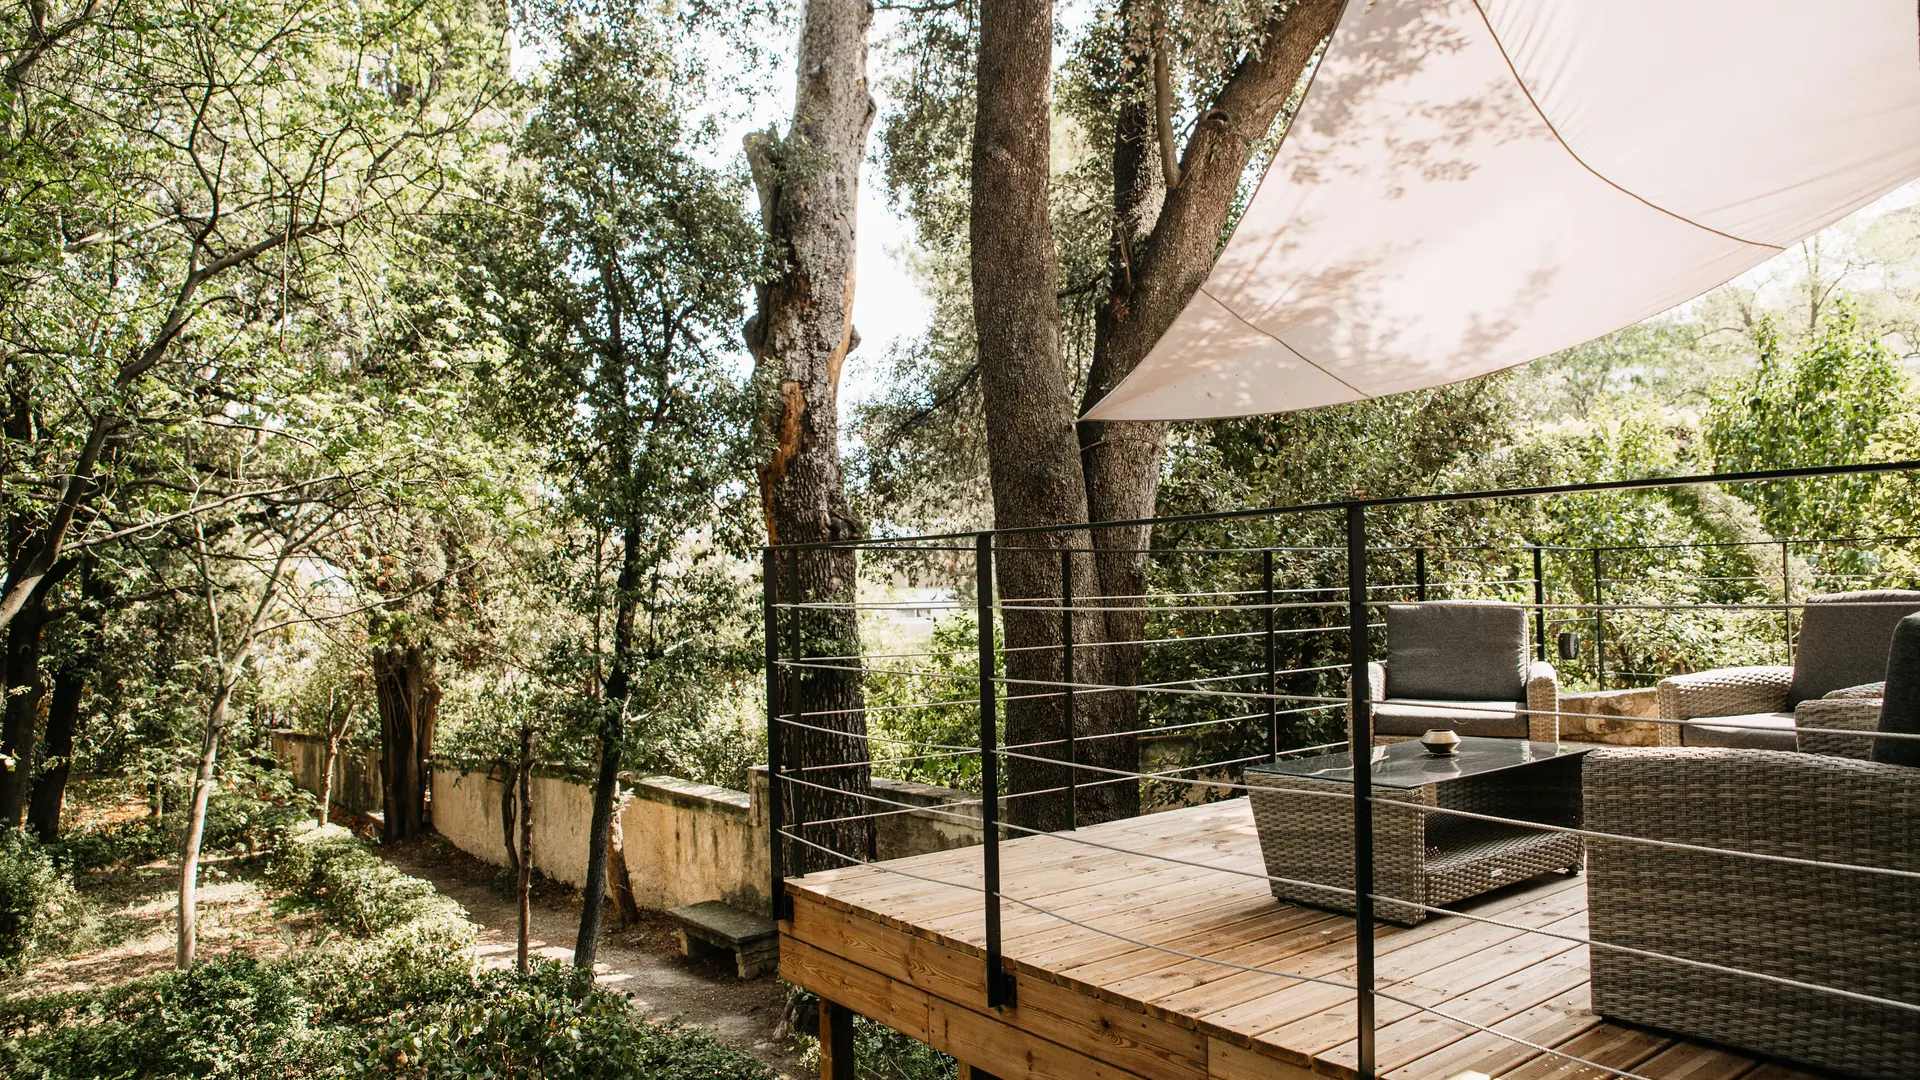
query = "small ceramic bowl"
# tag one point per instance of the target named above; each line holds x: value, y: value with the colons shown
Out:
x: 1441, y: 742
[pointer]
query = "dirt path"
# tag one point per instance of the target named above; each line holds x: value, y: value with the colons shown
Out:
x: 643, y: 961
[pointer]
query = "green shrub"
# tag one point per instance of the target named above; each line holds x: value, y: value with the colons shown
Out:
x: 362, y: 892
x: 98, y: 845
x: 233, y: 1016
x: 539, y: 1024
x: 39, y: 909
x: 419, y: 1014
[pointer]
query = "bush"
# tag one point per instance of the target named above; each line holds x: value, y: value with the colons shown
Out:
x: 98, y: 845
x: 234, y: 1016
x: 539, y: 1024
x: 418, y: 1015
x: 39, y: 909
x: 362, y: 892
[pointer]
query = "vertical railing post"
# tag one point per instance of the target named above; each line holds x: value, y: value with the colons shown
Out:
x: 999, y: 986
x: 796, y: 648
x: 1420, y: 574
x: 770, y: 620
x: 1066, y: 687
x: 1599, y: 623
x: 1361, y: 749
x: 1539, y: 606
x: 1786, y: 601
x: 1273, y: 679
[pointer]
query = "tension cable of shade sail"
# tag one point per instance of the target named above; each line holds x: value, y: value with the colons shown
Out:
x: 1469, y: 186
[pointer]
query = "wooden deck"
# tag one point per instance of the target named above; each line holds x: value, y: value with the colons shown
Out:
x: 908, y: 954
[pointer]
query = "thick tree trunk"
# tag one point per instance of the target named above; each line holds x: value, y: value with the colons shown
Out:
x: 1165, y: 243
x: 606, y: 783
x: 197, y: 821
x: 26, y: 692
x: 523, y: 774
x: 809, y: 185
x: 408, y: 692
x: 63, y: 716
x: 1152, y: 279
x: 1033, y: 455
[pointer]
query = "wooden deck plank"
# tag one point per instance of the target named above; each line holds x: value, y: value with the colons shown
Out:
x: 1399, y: 954
x: 1518, y: 955
x: 1108, y: 998
x: 1610, y: 1045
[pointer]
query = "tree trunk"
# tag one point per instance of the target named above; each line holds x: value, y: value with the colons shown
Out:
x: 613, y: 707
x: 523, y: 773
x: 1043, y: 471
x: 509, y: 814
x: 800, y: 335
x: 1033, y: 457
x: 1156, y: 273
x: 404, y: 683
x: 336, y: 733
x: 197, y: 820
x: 63, y: 716
x: 25, y: 693
x: 619, y: 883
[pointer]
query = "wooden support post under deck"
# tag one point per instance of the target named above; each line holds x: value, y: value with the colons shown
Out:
x: 968, y: 1072
x: 836, y: 1041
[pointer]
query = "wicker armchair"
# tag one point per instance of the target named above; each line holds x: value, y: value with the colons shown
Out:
x: 1461, y: 664
x: 1835, y: 928
x: 1891, y: 706
x: 1843, y: 643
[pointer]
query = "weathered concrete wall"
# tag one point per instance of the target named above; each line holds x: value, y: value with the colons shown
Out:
x: 356, y: 773
x: 685, y: 842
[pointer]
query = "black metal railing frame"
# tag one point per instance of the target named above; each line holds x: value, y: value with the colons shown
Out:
x: 999, y: 982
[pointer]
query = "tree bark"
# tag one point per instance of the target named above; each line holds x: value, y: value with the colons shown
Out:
x: 800, y: 335
x: 1151, y: 283
x: 509, y: 812
x: 408, y: 693
x: 336, y: 731
x: 523, y: 773
x: 63, y: 716
x: 26, y: 692
x: 185, y: 941
x: 618, y: 881
x: 1033, y: 457
x: 606, y: 782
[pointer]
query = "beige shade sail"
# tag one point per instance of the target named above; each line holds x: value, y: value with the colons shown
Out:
x: 1469, y: 186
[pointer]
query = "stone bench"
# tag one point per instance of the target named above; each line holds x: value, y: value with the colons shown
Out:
x: 714, y: 926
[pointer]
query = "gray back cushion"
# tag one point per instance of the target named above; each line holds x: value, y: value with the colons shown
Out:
x: 1900, y: 709
x: 1844, y: 639
x: 1457, y: 650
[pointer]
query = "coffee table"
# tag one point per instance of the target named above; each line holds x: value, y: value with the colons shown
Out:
x: 1303, y: 811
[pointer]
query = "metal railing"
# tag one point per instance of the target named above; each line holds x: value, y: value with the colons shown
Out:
x: 1265, y: 704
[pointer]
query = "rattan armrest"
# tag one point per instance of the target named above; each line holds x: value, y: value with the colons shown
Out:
x: 1722, y: 692
x: 1376, y: 693
x: 1543, y: 702
x: 1815, y: 723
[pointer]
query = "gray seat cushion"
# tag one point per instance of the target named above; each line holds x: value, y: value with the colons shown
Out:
x: 1844, y: 639
x: 1748, y: 731
x: 1457, y: 651
x: 1900, y: 709
x: 1494, y: 719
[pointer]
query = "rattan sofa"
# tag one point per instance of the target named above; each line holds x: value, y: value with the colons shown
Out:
x: 1461, y: 664
x: 1842, y: 644
x: 1890, y: 706
x: 1816, y: 925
